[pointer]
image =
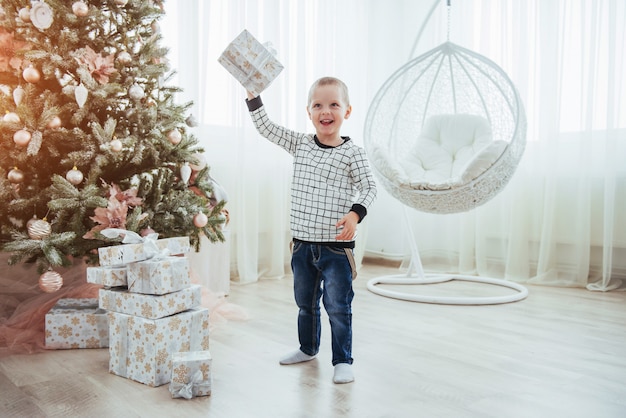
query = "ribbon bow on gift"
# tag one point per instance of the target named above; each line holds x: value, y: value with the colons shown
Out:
x: 186, y: 389
x: 151, y: 249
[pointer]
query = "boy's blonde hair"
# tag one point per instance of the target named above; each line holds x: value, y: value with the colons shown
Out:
x: 324, y: 81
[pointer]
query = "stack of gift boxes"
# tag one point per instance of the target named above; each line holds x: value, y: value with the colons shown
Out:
x: 155, y: 319
x: 157, y: 331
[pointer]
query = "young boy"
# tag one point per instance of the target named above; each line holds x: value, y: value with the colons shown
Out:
x: 332, y: 187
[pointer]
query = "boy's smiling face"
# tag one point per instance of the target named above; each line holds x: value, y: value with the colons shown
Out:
x: 327, y: 110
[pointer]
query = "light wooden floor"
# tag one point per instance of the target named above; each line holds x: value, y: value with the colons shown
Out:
x: 559, y: 353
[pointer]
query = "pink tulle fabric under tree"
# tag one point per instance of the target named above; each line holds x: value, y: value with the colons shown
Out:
x: 23, y: 305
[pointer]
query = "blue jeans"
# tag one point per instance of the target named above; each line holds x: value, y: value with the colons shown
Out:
x: 323, y: 273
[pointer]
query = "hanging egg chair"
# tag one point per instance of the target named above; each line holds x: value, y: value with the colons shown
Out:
x: 446, y: 131
x: 444, y: 134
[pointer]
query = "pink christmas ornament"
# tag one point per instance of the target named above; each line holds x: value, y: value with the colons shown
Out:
x: 11, y: 117
x: 200, y: 220
x: 201, y: 161
x: 39, y: 229
x: 55, y: 122
x: 31, y: 74
x: 80, y: 9
x: 174, y: 136
x: 15, y: 175
x: 50, y: 281
x: 22, y: 137
x: 24, y: 14
x: 146, y: 231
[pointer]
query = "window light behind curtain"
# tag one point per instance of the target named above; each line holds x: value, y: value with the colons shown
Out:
x: 312, y: 39
x: 561, y: 220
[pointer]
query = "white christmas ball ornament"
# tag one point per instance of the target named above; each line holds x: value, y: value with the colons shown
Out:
x: 116, y: 145
x: 30, y: 221
x: 11, y: 117
x: 24, y: 14
x: 191, y: 121
x: 22, y: 137
x: 80, y: 9
x: 39, y: 229
x: 174, y: 136
x: 54, y: 123
x: 15, y: 175
x: 124, y: 58
x: 31, y: 74
x: 74, y: 176
x: 50, y: 281
x: 201, y: 162
x: 121, y: 2
x: 200, y: 220
x: 136, y: 92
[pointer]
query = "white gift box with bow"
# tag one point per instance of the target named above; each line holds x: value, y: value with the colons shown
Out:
x: 107, y: 276
x: 76, y: 323
x: 137, y: 248
x: 158, y: 276
x: 150, y: 306
x: 253, y: 64
x: 140, y: 349
x: 191, y: 374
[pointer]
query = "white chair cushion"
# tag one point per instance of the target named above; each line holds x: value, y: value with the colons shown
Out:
x: 451, y: 150
x: 482, y: 161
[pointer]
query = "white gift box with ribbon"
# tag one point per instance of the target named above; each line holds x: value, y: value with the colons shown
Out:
x: 253, y: 64
x: 137, y: 248
x: 191, y: 374
x: 107, y: 276
x: 158, y: 276
x: 150, y: 306
x: 141, y: 349
x: 76, y: 323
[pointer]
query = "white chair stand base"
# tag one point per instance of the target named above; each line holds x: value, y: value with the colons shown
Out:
x: 403, y: 279
x: 416, y: 276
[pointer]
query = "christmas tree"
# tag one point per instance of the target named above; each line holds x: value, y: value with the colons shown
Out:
x: 91, y: 137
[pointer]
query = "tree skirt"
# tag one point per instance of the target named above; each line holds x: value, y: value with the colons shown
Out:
x: 23, y: 305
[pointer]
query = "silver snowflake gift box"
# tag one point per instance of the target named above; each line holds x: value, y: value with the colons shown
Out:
x: 76, y: 323
x: 150, y: 306
x: 253, y: 64
x: 191, y: 374
x: 141, y: 349
x: 159, y: 276
x: 107, y: 276
x: 135, y: 248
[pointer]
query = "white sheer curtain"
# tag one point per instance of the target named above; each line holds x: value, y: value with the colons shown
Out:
x: 561, y: 220
x: 312, y: 39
